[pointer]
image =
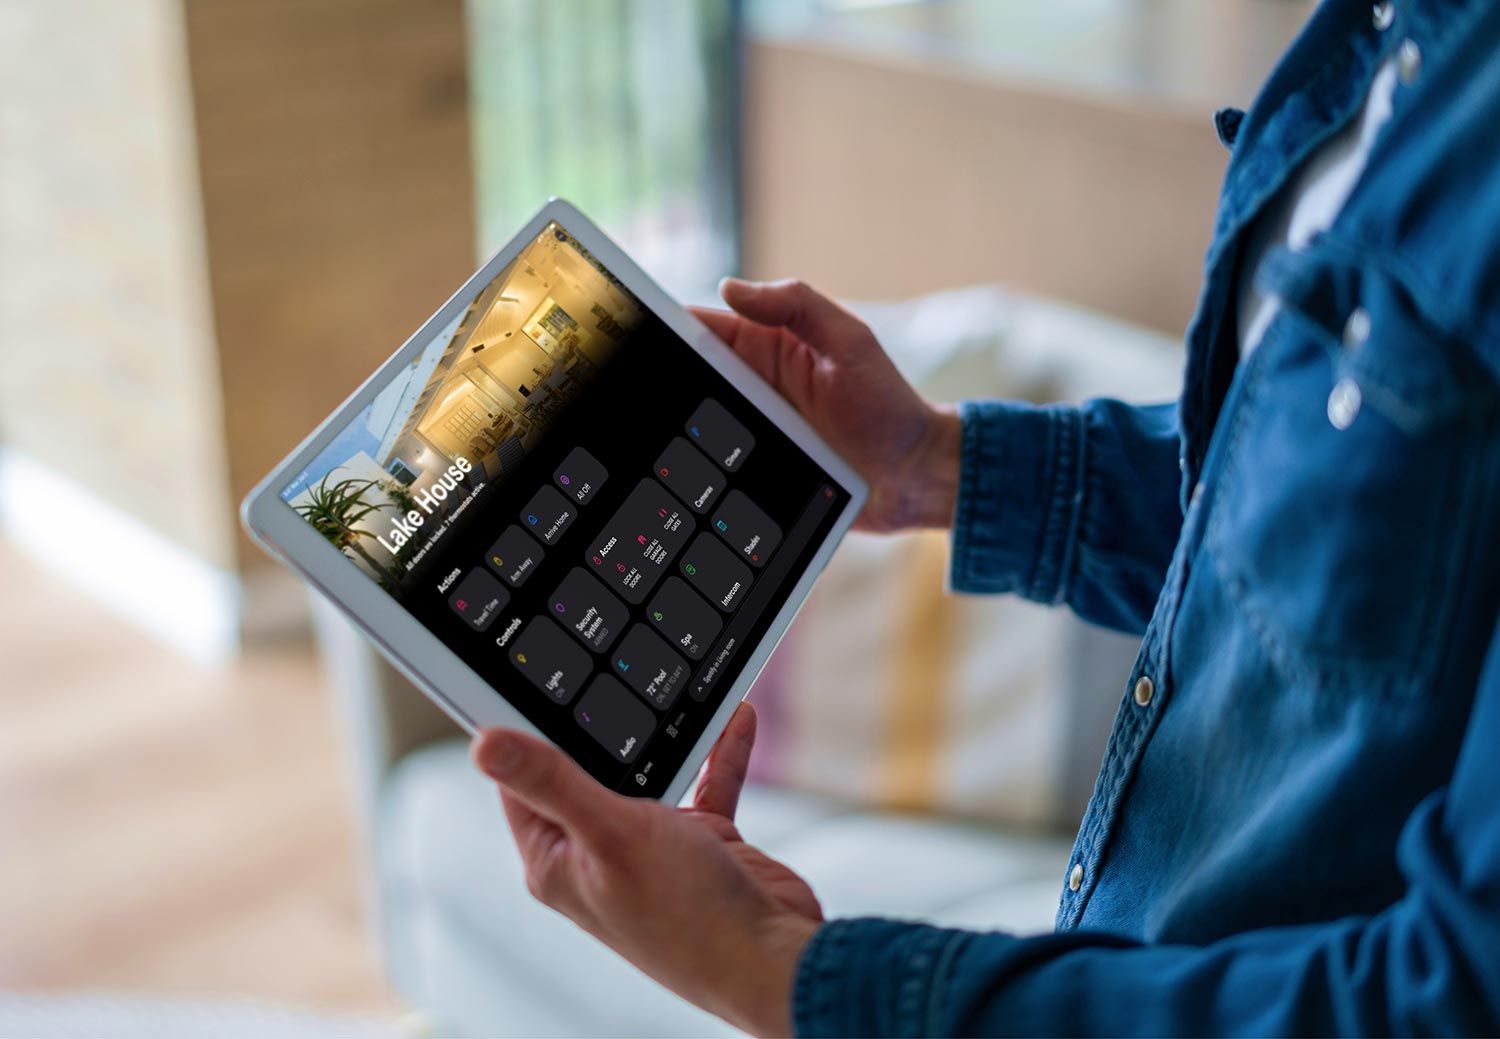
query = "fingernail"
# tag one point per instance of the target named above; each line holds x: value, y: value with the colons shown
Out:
x: 499, y: 754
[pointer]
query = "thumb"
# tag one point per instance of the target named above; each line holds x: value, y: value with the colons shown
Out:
x: 791, y: 304
x: 545, y: 780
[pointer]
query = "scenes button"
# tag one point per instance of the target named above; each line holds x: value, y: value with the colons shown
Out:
x: 514, y: 557
x: 478, y: 599
x: 547, y: 515
x: 580, y: 476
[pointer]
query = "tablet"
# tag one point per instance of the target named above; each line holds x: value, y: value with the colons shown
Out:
x: 565, y: 506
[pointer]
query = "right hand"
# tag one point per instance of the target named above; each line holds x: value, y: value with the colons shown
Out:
x: 828, y: 364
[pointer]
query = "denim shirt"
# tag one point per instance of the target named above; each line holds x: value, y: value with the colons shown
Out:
x: 1296, y: 827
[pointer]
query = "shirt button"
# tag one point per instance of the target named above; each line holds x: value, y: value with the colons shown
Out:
x: 1075, y: 878
x: 1343, y: 403
x: 1383, y: 14
x: 1409, y: 61
x: 1145, y: 689
x: 1357, y: 328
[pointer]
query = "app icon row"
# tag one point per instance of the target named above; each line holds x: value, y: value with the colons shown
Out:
x: 514, y: 556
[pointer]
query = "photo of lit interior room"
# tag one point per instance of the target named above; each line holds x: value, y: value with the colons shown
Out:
x: 486, y: 390
x: 526, y: 346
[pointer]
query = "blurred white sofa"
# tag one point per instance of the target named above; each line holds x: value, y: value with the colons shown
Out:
x: 464, y: 943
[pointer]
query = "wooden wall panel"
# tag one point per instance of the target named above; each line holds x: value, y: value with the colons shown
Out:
x: 333, y: 145
x: 875, y: 178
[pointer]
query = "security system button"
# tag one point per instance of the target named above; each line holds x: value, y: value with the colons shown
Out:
x: 680, y: 614
x: 713, y: 569
x: 721, y: 436
x: 612, y: 715
x: 580, y: 476
x: 746, y: 528
x: 478, y: 599
x: 585, y: 608
x: 547, y: 515
x: 649, y: 666
x: 689, y: 475
x: 514, y: 557
x: 550, y: 660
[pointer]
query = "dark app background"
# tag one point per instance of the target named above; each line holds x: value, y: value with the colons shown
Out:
x: 641, y: 400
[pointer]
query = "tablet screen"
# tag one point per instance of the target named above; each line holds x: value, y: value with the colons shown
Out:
x: 581, y: 507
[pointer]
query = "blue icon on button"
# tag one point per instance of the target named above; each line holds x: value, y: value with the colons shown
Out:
x: 532, y: 520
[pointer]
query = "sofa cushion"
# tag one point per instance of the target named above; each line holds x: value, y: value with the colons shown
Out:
x: 469, y: 945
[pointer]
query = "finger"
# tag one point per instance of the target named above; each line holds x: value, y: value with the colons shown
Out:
x: 536, y: 837
x: 760, y: 346
x: 728, y: 763
x: 543, y: 848
x: 807, y: 313
x: 721, y: 323
x: 548, y: 783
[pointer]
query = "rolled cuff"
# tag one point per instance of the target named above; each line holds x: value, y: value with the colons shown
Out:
x: 1021, y: 482
x: 872, y: 977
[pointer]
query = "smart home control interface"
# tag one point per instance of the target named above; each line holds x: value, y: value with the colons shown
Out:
x: 581, y: 507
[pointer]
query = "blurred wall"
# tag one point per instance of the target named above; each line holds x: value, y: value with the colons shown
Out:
x: 877, y: 178
x: 107, y: 366
x: 216, y: 216
x: 333, y: 150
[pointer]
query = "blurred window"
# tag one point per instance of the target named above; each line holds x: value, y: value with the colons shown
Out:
x: 628, y: 109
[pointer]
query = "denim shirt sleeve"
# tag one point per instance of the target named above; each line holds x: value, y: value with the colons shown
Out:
x: 1069, y: 503
x: 1426, y: 964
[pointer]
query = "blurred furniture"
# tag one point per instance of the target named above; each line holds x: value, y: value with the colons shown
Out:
x: 465, y: 944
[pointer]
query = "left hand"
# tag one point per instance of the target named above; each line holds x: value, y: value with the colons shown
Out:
x: 676, y: 891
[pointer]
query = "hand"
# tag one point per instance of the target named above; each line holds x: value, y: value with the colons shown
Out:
x: 676, y: 891
x: 827, y: 363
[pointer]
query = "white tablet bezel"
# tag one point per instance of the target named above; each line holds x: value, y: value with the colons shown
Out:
x: 434, y: 668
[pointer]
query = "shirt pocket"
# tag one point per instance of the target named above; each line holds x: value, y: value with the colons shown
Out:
x: 1341, y: 515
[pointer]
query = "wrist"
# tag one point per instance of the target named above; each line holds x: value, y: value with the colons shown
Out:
x: 763, y: 1003
x: 928, y: 492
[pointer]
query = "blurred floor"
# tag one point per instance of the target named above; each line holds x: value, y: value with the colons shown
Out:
x: 166, y: 827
